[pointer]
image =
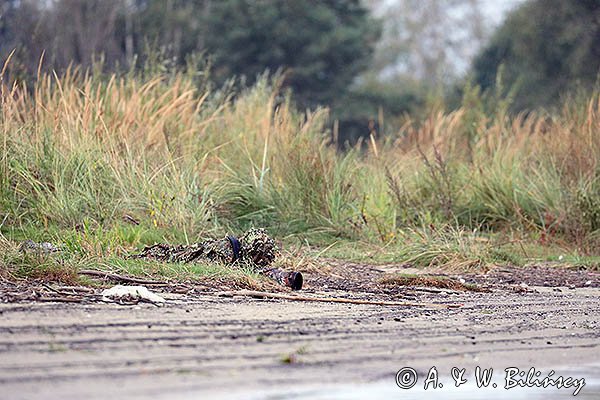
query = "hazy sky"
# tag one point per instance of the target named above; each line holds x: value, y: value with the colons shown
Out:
x: 494, y: 13
x: 456, y: 30
x: 495, y: 10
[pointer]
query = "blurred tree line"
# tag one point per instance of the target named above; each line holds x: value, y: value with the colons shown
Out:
x: 321, y: 45
x: 363, y: 58
x: 547, y: 49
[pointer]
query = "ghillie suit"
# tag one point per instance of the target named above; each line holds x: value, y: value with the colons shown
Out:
x: 255, y: 248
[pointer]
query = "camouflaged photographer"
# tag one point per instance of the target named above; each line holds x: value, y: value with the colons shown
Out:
x: 255, y: 248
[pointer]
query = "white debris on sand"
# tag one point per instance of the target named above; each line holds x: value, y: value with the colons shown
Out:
x: 140, y: 293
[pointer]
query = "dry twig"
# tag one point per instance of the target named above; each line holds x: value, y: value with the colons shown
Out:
x: 252, y: 293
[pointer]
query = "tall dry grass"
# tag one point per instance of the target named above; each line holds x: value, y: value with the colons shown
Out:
x: 83, y: 148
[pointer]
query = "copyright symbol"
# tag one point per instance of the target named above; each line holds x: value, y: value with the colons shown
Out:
x: 406, y: 378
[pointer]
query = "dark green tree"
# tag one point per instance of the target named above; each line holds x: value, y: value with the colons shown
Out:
x: 176, y: 26
x: 322, y: 45
x: 547, y: 48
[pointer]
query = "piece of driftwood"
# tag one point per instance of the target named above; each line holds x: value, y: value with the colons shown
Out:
x: 70, y: 290
x: 253, y: 293
x: 435, y: 290
x: 57, y: 299
x: 119, y: 278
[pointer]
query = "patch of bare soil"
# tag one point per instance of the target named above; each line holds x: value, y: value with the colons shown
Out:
x: 539, y: 275
x: 203, y: 345
x: 393, y: 278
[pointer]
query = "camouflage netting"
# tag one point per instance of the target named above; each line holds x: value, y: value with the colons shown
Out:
x: 255, y: 248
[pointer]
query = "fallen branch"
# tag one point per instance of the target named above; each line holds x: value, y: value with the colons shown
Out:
x: 61, y: 299
x: 436, y: 290
x: 73, y: 290
x: 76, y: 289
x: 120, y: 278
x: 252, y: 293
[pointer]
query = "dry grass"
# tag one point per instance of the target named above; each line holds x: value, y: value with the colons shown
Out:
x: 434, y: 281
x: 80, y: 151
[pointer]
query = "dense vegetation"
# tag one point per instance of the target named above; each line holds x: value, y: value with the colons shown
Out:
x: 329, y: 49
x: 104, y: 157
x: 81, y: 151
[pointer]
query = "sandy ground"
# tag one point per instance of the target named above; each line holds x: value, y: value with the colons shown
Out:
x: 203, y: 346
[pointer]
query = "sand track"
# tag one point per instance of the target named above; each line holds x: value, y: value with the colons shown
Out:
x: 225, y: 346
